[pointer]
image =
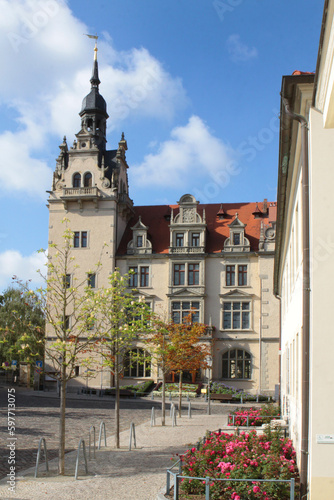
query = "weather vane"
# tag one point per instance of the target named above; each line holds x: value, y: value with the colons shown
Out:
x: 95, y: 37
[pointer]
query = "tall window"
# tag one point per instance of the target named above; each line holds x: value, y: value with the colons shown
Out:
x: 179, y: 239
x: 182, y: 309
x: 144, y: 275
x: 179, y: 272
x: 137, y: 363
x: 242, y: 275
x: 77, y: 180
x: 88, y: 180
x: 133, y: 276
x: 195, y: 239
x: 91, y: 280
x: 236, y: 364
x: 236, y: 238
x: 139, y: 241
x: 230, y: 275
x: 236, y: 315
x: 67, y: 280
x: 193, y: 274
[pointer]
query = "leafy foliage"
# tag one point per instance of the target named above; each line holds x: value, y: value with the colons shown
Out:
x: 21, y: 327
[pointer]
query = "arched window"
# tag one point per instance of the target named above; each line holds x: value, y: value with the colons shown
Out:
x: 236, y: 364
x: 76, y: 180
x: 88, y: 180
x: 137, y: 363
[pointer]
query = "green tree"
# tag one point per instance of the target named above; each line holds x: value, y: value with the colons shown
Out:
x: 120, y: 319
x: 22, y: 326
x: 69, y: 339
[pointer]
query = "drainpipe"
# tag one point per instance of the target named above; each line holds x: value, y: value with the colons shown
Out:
x: 306, y: 301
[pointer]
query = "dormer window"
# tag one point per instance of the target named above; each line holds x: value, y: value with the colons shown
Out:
x: 179, y: 240
x: 195, y: 237
x: 140, y: 242
x: 77, y: 180
x: 236, y: 238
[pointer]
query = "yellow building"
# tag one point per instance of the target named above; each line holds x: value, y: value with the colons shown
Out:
x: 215, y: 259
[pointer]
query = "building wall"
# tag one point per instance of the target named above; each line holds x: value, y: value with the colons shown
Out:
x: 322, y: 342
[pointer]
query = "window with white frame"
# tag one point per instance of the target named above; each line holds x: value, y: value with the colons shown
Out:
x: 80, y: 239
x: 137, y: 363
x: 236, y: 275
x: 179, y: 239
x: 181, y: 309
x: 236, y: 315
x: 139, y: 276
x: 186, y: 274
x: 236, y: 364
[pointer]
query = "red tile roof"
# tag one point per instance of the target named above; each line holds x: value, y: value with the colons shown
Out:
x: 297, y: 72
x: 157, y: 218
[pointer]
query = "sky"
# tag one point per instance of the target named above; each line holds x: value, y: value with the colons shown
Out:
x: 193, y: 84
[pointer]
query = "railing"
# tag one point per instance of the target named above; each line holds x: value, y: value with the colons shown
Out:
x: 208, y: 480
x: 250, y: 417
x: 81, y: 191
x: 177, y: 250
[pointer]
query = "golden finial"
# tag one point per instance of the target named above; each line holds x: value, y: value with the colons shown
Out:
x: 95, y: 37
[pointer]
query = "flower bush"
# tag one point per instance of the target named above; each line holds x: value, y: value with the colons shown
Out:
x: 190, y: 390
x: 247, y: 455
x: 221, y: 388
x: 254, y: 416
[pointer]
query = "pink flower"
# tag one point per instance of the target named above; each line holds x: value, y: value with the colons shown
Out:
x: 256, y: 489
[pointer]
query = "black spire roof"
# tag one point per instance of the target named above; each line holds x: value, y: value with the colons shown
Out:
x: 94, y: 100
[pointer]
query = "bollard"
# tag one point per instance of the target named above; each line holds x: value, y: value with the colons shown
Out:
x: 132, y: 435
x: 153, y: 417
x: 152, y: 396
x: 241, y: 399
x: 91, y: 427
x: 257, y: 398
x: 174, y: 423
x: 170, y: 396
x: 189, y: 409
x: 171, y: 409
x: 102, y: 426
x: 188, y: 399
x: 42, y: 440
x: 85, y: 458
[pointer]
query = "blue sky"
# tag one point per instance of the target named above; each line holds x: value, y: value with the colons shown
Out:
x: 194, y: 85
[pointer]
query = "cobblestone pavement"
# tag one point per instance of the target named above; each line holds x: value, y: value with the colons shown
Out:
x: 37, y: 415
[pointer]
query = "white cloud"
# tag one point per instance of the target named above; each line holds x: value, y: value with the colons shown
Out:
x: 46, y: 72
x: 191, y: 151
x: 13, y: 263
x: 238, y: 51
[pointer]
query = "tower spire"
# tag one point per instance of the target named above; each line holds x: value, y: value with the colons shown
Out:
x: 95, y: 81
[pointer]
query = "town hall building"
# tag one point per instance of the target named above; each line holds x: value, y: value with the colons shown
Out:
x: 215, y: 260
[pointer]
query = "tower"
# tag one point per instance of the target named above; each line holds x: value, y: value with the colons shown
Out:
x: 90, y: 187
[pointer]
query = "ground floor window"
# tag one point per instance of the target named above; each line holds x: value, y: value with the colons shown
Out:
x: 236, y: 364
x: 137, y: 363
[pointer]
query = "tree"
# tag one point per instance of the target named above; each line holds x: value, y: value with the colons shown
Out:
x: 179, y: 348
x: 119, y: 319
x: 186, y: 350
x: 69, y: 339
x: 22, y: 327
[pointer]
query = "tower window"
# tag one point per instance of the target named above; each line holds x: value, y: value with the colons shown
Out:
x: 77, y: 180
x: 80, y: 239
x: 88, y: 179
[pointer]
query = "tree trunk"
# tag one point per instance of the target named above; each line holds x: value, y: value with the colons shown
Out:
x: 163, y: 405
x: 117, y: 401
x: 61, y: 457
x: 180, y: 395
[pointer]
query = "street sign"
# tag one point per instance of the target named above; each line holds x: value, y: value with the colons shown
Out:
x: 14, y: 362
x: 39, y: 364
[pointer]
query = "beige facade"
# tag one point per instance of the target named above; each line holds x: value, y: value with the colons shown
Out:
x: 214, y: 260
x: 306, y: 379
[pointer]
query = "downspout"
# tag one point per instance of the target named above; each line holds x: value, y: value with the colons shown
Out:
x: 306, y: 301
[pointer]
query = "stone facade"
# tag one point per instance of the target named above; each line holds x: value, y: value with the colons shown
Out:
x: 214, y: 259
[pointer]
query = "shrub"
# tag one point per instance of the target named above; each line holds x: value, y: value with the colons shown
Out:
x: 254, y: 416
x: 248, y: 455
